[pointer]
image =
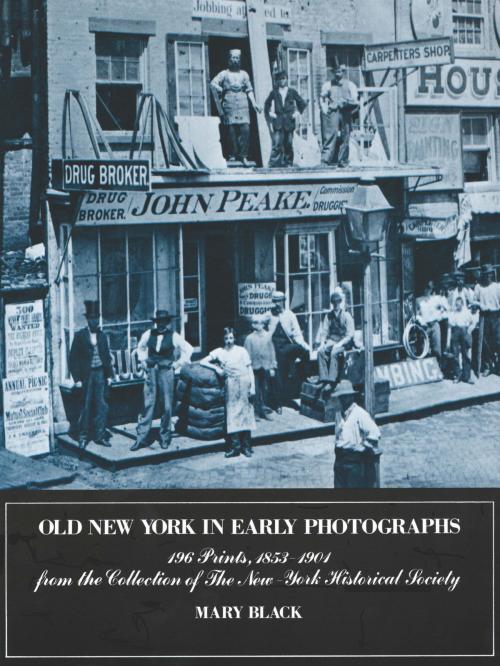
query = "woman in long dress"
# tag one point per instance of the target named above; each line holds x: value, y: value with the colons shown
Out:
x: 233, y: 363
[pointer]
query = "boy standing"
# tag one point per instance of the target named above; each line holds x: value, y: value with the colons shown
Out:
x: 461, y: 325
x: 260, y: 348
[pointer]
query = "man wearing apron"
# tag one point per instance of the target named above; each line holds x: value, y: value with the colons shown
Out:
x: 289, y: 345
x: 232, y: 86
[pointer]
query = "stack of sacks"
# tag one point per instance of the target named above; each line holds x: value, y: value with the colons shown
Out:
x: 201, y: 404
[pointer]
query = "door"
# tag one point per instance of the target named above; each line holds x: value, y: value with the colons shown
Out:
x: 219, y: 287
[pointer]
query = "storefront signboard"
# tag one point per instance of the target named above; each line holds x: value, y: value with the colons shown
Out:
x: 436, y: 139
x: 26, y: 412
x: 467, y: 82
x: 236, y: 10
x: 426, y: 228
x: 115, y: 175
x: 398, y: 55
x: 255, y: 298
x: 212, y: 204
x: 410, y: 373
x: 24, y: 339
x: 190, y: 304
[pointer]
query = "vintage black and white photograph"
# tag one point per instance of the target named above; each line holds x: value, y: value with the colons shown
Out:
x: 249, y: 244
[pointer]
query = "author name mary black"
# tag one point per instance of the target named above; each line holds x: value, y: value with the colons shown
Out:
x: 248, y: 612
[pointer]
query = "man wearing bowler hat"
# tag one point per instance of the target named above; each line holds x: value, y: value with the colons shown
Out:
x: 338, y: 101
x: 356, y: 441
x: 161, y: 351
x: 91, y: 367
x: 487, y: 294
x: 282, y: 108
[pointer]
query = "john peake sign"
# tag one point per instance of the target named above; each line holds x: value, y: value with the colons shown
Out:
x: 408, y: 54
x: 210, y: 204
x: 116, y: 175
x: 410, y: 373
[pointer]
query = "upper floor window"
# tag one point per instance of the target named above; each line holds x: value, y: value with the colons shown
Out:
x: 120, y: 79
x: 299, y: 77
x: 191, y: 78
x: 477, y: 142
x: 468, y: 22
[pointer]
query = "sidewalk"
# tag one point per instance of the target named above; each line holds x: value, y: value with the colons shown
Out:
x: 408, y: 403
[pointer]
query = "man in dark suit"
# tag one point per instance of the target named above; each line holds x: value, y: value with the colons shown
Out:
x: 281, y: 108
x: 90, y: 364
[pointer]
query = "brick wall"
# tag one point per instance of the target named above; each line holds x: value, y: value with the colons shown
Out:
x: 16, y: 199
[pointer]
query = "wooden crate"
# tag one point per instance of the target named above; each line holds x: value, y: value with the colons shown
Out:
x: 322, y: 408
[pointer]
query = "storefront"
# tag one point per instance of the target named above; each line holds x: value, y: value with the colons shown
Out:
x: 211, y: 252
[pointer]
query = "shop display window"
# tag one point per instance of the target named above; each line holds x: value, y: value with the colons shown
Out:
x: 191, y: 258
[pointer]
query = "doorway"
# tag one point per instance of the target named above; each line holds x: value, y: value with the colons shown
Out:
x: 432, y: 259
x: 218, y: 51
x: 219, y: 287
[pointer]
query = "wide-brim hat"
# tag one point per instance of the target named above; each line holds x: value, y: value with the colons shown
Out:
x: 487, y: 269
x: 344, y: 387
x: 458, y: 274
x: 92, y: 310
x: 278, y: 296
x: 162, y: 315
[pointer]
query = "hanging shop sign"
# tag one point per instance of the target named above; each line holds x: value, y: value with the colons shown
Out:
x: 410, y: 373
x: 115, y: 175
x: 398, y: 55
x: 436, y: 139
x: 211, y: 204
x: 236, y: 10
x: 24, y: 339
x: 255, y: 298
x: 26, y: 414
x: 430, y: 229
x: 465, y: 83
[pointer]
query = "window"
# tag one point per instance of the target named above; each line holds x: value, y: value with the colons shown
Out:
x: 351, y: 57
x: 131, y: 273
x: 191, y: 83
x: 468, y: 22
x: 192, y: 297
x: 299, y: 77
x: 476, y: 142
x: 304, y: 272
x: 120, y: 78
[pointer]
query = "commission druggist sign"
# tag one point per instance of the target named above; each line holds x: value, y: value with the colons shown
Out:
x: 209, y: 204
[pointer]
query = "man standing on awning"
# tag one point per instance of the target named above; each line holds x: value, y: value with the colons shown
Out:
x: 338, y: 101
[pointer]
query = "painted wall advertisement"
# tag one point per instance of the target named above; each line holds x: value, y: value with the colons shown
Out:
x: 211, y: 204
x: 26, y: 387
x: 27, y: 414
x: 255, y: 298
x: 435, y: 139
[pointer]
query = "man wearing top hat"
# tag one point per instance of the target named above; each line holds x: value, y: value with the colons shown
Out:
x: 232, y: 88
x: 161, y: 351
x: 282, y: 108
x: 487, y: 294
x: 91, y: 367
x: 356, y: 441
x: 338, y: 101
x: 289, y: 345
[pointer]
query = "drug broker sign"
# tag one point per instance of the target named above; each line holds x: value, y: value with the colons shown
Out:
x: 211, y: 204
x: 116, y: 175
x: 408, y: 54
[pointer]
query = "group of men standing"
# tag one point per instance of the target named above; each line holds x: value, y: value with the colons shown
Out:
x: 234, y: 94
x: 463, y: 321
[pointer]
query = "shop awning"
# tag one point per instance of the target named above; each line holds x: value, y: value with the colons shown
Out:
x: 481, y: 203
x: 431, y: 221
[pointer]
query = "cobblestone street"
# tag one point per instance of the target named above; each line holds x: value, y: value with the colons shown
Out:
x: 450, y: 449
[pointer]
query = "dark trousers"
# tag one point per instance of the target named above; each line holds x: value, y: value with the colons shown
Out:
x: 282, y: 148
x: 265, y: 387
x: 354, y: 470
x: 239, y: 138
x: 461, y: 346
x: 239, y: 441
x: 285, y: 356
x: 491, y: 339
x: 95, y: 407
x: 336, y: 133
x: 158, y: 380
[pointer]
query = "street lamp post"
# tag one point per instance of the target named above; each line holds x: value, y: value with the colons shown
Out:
x: 368, y: 218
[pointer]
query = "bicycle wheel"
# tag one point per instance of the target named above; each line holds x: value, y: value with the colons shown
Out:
x: 415, y: 340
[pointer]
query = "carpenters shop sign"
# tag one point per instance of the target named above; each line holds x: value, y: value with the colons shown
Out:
x: 209, y: 204
x: 408, y: 54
